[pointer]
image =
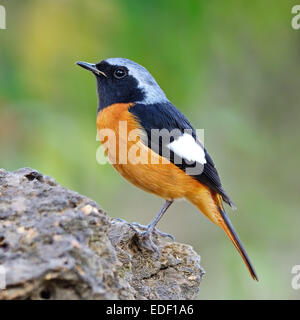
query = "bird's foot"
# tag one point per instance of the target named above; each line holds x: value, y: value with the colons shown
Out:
x: 144, y: 236
x: 160, y: 233
x: 145, y: 240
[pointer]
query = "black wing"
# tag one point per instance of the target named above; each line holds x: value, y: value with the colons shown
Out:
x: 166, y: 116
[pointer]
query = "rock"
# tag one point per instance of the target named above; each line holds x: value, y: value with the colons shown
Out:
x: 58, y: 244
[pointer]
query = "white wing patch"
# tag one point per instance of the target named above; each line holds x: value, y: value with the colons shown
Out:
x: 186, y: 147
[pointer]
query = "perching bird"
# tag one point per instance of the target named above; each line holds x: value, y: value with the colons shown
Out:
x: 173, y: 168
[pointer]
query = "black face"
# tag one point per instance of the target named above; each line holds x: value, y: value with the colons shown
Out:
x: 117, y: 87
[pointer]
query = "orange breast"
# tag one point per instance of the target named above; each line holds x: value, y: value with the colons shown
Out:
x: 136, y: 162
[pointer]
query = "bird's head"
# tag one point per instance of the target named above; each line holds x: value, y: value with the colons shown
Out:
x: 121, y: 80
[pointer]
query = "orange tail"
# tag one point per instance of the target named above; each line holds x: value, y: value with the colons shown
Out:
x: 213, y: 209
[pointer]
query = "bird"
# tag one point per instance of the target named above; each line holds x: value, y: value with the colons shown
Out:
x: 170, y: 166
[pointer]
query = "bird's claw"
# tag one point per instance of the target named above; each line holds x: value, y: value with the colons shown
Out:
x: 144, y: 237
x: 160, y: 233
x: 121, y: 220
x: 145, y: 240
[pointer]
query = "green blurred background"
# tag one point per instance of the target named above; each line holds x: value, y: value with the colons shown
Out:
x: 231, y: 66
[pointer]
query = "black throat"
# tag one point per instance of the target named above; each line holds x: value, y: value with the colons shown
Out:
x: 112, y: 90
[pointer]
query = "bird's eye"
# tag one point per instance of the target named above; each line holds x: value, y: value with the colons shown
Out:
x: 120, y: 73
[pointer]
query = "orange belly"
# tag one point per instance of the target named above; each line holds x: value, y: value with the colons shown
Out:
x: 151, y: 173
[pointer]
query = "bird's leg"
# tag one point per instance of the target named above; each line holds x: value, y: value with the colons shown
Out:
x: 145, y: 237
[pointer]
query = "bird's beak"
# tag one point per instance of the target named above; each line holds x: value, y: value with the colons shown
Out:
x: 90, y: 67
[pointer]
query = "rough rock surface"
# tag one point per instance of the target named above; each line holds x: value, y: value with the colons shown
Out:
x: 57, y: 244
